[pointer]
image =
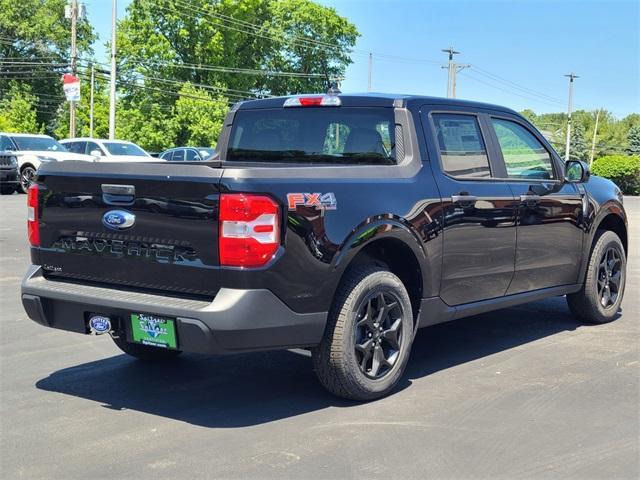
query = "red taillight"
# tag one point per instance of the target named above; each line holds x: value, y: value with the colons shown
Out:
x: 33, y: 227
x: 249, y: 229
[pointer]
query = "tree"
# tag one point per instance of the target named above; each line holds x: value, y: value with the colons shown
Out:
x: 325, y: 51
x: 633, y: 138
x: 199, y: 116
x: 206, y: 42
x: 18, y: 110
x: 35, y: 31
x: 146, y: 124
x: 578, y: 149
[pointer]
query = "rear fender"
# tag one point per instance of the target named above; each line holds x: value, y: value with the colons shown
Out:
x: 380, y: 228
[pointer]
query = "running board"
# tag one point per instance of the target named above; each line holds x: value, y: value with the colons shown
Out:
x: 434, y: 310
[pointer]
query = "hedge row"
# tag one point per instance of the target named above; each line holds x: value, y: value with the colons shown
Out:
x: 622, y: 169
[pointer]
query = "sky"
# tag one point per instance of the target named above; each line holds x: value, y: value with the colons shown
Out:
x: 519, y: 50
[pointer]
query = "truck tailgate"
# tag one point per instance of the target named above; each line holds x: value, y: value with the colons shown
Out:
x: 146, y: 226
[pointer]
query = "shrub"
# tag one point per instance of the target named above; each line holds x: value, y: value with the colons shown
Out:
x: 621, y: 169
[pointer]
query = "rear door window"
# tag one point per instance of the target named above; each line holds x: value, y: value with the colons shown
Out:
x: 178, y: 155
x: 75, y: 147
x: 341, y: 135
x: 192, y: 155
x: 524, y: 155
x: 462, y: 149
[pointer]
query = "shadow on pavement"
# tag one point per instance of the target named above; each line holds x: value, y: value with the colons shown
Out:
x: 256, y: 388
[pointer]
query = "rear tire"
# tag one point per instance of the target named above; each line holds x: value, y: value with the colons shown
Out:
x: 599, y: 299
x: 7, y: 190
x: 368, y: 336
x: 144, y: 352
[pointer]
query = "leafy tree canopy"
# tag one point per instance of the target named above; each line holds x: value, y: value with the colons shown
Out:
x: 18, y: 110
x: 35, y: 44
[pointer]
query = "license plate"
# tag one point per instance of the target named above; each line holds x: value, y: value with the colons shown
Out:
x: 153, y: 330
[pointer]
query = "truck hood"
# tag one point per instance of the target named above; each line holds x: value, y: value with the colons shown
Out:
x: 47, y: 154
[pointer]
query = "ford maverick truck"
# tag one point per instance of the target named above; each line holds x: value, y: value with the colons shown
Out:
x: 338, y: 223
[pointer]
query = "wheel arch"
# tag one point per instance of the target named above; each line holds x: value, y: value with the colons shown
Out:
x: 391, y: 243
x: 611, y: 217
x: 615, y: 223
x: 27, y: 164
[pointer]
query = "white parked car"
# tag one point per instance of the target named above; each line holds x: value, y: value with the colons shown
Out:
x: 32, y: 150
x: 108, y: 150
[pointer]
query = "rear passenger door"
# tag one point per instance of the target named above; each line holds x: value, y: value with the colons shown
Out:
x: 549, y: 247
x: 478, y: 208
x: 178, y: 155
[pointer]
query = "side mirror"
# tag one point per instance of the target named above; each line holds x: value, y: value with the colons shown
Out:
x: 95, y: 153
x: 576, y: 171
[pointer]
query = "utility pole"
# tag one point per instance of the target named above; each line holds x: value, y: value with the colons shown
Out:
x: 74, y: 65
x: 112, y: 89
x: 593, y: 142
x: 370, y: 70
x: 452, y: 68
x: 571, y: 77
x: 91, y: 101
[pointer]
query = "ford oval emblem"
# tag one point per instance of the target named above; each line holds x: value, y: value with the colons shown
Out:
x: 99, y: 324
x: 118, y: 219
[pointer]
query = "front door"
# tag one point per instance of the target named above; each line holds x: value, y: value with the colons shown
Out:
x: 479, y: 217
x: 549, y: 246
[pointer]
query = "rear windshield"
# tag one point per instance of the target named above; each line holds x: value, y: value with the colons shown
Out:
x: 323, y: 135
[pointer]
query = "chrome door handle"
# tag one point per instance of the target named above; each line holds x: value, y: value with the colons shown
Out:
x: 464, y: 200
x: 530, y: 200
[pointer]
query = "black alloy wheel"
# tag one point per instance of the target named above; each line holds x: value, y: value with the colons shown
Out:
x: 378, y: 334
x: 609, y: 277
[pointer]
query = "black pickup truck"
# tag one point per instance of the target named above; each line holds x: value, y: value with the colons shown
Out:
x: 339, y: 223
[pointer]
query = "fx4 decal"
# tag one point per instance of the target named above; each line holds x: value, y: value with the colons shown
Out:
x: 320, y: 201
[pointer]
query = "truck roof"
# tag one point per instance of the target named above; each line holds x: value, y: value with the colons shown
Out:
x: 375, y: 100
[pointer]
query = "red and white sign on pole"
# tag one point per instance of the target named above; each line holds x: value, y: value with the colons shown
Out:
x: 71, y: 87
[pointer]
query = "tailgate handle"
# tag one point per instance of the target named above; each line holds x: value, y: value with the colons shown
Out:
x: 118, y: 194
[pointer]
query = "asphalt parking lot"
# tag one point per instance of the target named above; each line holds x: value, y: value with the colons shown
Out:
x: 520, y: 393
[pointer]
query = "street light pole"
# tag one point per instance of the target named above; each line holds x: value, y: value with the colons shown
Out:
x: 453, y: 68
x: 91, y: 101
x: 595, y: 133
x: 112, y: 86
x: 74, y: 65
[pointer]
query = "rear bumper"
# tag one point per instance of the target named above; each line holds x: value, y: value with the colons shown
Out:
x: 235, y: 321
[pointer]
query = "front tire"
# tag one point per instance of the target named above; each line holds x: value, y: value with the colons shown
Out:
x: 7, y: 189
x: 27, y: 176
x: 599, y: 299
x: 144, y: 352
x: 368, y: 336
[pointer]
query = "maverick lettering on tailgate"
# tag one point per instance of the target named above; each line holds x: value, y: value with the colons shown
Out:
x: 123, y: 248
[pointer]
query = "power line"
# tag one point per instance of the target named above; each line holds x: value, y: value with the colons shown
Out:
x: 505, y: 81
x: 466, y: 74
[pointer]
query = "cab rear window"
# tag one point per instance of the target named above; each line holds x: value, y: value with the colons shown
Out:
x: 344, y: 135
